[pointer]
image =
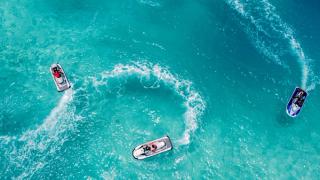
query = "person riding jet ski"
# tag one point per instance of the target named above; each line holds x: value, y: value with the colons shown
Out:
x: 152, y: 148
x: 296, y: 102
x: 58, y: 75
x: 299, y: 99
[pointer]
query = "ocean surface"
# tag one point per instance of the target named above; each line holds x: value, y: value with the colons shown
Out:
x: 213, y: 75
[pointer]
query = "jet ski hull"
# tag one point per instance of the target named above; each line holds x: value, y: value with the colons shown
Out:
x: 167, y: 147
x: 63, y: 82
x: 293, y: 109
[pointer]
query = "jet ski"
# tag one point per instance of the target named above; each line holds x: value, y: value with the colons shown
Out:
x: 59, y: 77
x: 296, y: 102
x: 152, y: 148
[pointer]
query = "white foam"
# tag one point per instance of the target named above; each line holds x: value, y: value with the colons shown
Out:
x: 6, y: 139
x: 193, y: 102
x: 152, y: 3
x: 296, y: 47
x: 179, y: 159
x: 312, y: 86
x: 265, y: 21
x: 51, y: 120
x: 238, y: 6
x: 44, y: 140
x: 110, y: 174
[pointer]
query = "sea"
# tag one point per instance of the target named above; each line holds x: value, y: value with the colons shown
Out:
x: 213, y: 75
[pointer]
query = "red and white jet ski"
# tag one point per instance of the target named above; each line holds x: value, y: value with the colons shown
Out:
x: 59, y: 77
x: 152, y: 148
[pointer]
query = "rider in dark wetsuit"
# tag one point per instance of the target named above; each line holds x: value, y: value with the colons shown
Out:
x: 299, y: 98
x: 300, y: 101
x: 147, y: 148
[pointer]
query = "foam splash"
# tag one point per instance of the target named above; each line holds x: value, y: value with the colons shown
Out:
x: 51, y: 120
x: 152, y: 3
x: 314, y: 83
x: 266, y: 28
x: 32, y: 147
x: 238, y: 6
x: 193, y: 102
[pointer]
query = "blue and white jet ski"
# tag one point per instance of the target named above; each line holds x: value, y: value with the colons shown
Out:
x: 59, y: 77
x: 152, y: 148
x: 296, y: 102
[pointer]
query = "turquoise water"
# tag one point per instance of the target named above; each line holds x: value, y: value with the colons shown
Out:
x: 213, y: 75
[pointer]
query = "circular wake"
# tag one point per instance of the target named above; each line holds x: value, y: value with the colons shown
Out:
x: 193, y: 102
x: 29, y: 152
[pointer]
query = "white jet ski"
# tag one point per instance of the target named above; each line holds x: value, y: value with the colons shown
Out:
x: 296, y: 102
x: 59, y: 77
x: 152, y: 148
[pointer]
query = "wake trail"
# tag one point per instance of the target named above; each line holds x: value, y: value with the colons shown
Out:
x: 193, y: 101
x: 28, y: 152
x: 266, y: 29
